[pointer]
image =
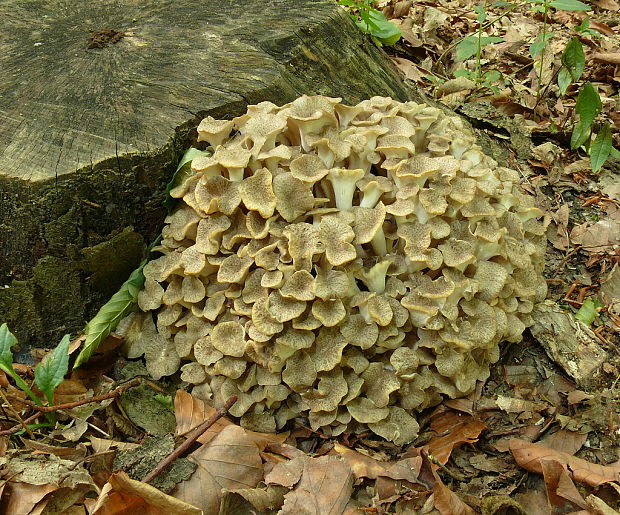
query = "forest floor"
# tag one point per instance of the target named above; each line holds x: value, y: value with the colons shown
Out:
x: 540, y: 436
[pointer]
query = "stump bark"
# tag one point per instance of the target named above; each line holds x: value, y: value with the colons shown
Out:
x: 99, y: 99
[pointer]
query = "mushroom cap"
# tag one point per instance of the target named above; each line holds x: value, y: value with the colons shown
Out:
x: 346, y: 264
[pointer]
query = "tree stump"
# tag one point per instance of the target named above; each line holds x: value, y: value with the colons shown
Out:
x: 99, y: 99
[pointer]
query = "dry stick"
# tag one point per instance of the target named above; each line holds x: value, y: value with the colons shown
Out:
x: 163, y: 464
x: 17, y: 415
x: 69, y: 405
x: 18, y: 427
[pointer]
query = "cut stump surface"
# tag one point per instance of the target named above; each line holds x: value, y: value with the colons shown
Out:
x: 98, y: 100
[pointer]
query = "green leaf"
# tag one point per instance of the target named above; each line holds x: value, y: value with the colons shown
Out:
x: 564, y: 80
x: 588, y: 105
x: 51, y: 371
x: 468, y: 46
x: 7, y: 341
x: 377, y: 25
x: 601, y: 148
x: 615, y: 153
x: 570, y: 5
x: 540, y: 43
x: 183, y: 171
x: 492, y: 76
x: 112, y: 312
x: 574, y: 59
x: 588, y: 311
x: 481, y: 12
x: 579, y: 136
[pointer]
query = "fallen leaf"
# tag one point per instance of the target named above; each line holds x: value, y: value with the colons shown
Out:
x: 530, y: 456
x: 230, y: 460
x: 324, y: 488
x: 447, y: 502
x: 23, y: 497
x: 610, y: 5
x: 561, y: 491
x: 610, y: 58
x: 603, y: 233
x: 410, y: 70
x: 599, y: 506
x: 252, y: 500
x: 361, y: 465
x: 460, y: 429
x: 190, y: 412
x: 565, y: 441
x: 123, y: 495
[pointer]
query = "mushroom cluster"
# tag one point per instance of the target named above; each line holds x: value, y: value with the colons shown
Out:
x: 346, y: 264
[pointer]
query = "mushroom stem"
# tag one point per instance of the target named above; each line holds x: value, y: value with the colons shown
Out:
x: 374, y: 279
x: 378, y: 242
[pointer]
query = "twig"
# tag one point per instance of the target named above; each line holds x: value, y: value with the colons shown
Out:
x: 17, y: 415
x: 442, y: 467
x: 163, y: 464
x: 18, y: 427
x: 69, y: 405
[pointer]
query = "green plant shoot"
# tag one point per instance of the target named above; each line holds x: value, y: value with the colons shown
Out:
x: 110, y: 314
x: 573, y: 64
x: 601, y: 148
x: 588, y: 105
x: 588, y: 311
x: 51, y: 371
x: 183, y: 171
x: 7, y: 341
x: 373, y: 22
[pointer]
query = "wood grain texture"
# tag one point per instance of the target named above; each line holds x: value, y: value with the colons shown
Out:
x: 90, y: 136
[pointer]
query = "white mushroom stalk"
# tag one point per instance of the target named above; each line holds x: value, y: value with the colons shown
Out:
x: 374, y: 279
x: 343, y: 183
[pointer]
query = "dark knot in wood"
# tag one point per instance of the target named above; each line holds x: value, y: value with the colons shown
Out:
x: 103, y: 38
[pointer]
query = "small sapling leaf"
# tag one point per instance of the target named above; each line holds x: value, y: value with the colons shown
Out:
x: 570, y: 5
x: 588, y: 311
x: 7, y: 341
x: 588, y: 105
x: 601, y: 148
x: 574, y: 59
x: 51, y: 371
x: 468, y: 47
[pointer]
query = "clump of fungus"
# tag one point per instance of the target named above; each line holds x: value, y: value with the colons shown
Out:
x: 349, y: 265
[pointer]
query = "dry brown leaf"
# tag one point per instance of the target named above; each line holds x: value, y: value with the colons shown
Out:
x: 74, y: 453
x: 607, y: 57
x: 603, y: 233
x: 530, y: 455
x: 448, y: 503
x: 560, y: 488
x: 230, y: 460
x: 23, y: 497
x: 565, y: 441
x: 610, y: 5
x: 190, y: 412
x: 287, y: 473
x: 460, y: 429
x: 324, y: 488
x: 361, y: 465
x: 123, y: 495
x: 409, y: 69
